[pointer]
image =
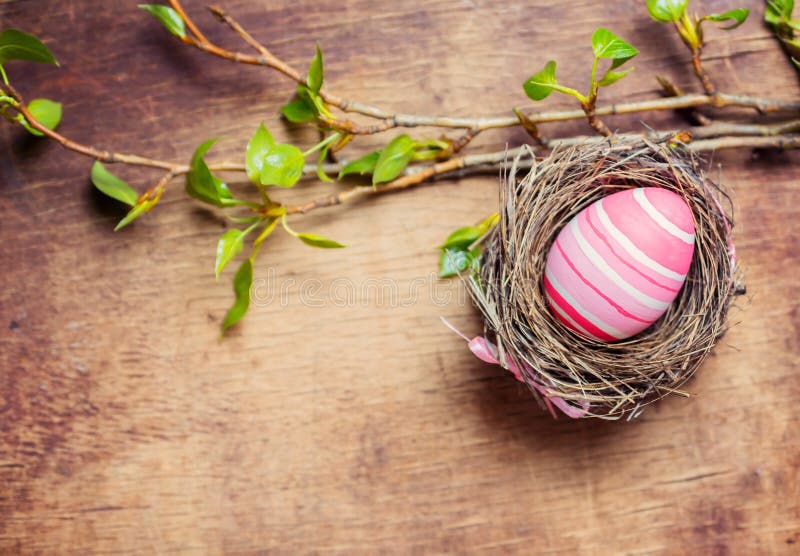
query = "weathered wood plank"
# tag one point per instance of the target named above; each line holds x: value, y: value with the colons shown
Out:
x: 125, y: 427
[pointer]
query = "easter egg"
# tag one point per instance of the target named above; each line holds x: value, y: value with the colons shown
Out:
x: 617, y: 266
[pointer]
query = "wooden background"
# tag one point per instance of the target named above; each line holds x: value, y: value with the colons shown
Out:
x: 126, y: 427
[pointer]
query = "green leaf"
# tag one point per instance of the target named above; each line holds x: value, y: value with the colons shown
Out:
x: 612, y: 77
x: 46, y: 112
x: 796, y: 62
x: 540, y: 85
x: 456, y: 255
x: 143, y: 205
x: 310, y: 239
x: 202, y: 184
x: 242, y: 282
x: 132, y: 215
x: 779, y: 11
x: 268, y: 163
x: 266, y: 232
x: 140, y: 208
x: 617, y: 62
x: 168, y: 17
x: 738, y: 16
x: 607, y: 45
x: 16, y: 45
x: 323, y: 154
x: 393, y: 159
x: 257, y: 150
x: 298, y: 112
x: 313, y: 101
x: 315, y: 73
x: 229, y: 245
x: 283, y: 166
x: 454, y: 261
x: 364, y: 165
x: 430, y: 149
x: 488, y: 223
x: 318, y: 241
x: 793, y: 43
x: 112, y: 186
x: 462, y: 238
x: 466, y: 236
x: 666, y: 11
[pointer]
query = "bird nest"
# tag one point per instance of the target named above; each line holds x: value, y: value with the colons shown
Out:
x: 583, y: 377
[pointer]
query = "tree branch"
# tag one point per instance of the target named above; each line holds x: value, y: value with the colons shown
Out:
x: 693, y: 115
x: 189, y: 23
x: 595, y: 122
x: 715, y: 136
x: 111, y: 157
x: 760, y: 137
x: 701, y: 73
x: 708, y: 136
x: 98, y: 154
x: 391, y: 120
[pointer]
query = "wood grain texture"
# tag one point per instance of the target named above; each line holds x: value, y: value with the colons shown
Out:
x: 361, y: 427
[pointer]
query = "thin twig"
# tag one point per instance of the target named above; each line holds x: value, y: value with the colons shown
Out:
x: 189, y: 23
x: 461, y: 142
x: 670, y: 89
x: 701, y: 73
x: 690, y: 34
x: 276, y: 63
x: 267, y: 58
x: 715, y: 136
x: 92, y: 152
x: 774, y: 142
x: 530, y: 127
x: 111, y: 157
x: 392, y: 120
x: 491, y: 161
x: 403, y: 182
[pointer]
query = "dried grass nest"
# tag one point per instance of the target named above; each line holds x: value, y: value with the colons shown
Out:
x: 600, y: 379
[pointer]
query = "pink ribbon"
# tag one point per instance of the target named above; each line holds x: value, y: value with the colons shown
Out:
x: 486, y: 351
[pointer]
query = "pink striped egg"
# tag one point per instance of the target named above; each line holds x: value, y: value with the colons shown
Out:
x: 620, y: 262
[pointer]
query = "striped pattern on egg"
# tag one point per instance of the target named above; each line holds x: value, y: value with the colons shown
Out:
x: 617, y: 266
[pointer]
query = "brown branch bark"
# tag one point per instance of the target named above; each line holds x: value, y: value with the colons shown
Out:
x: 189, y: 23
x: 406, y: 181
x: 111, y: 157
x: 597, y: 124
x: 701, y: 73
x: 93, y: 152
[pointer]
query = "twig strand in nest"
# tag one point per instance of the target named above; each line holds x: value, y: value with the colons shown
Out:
x: 607, y: 380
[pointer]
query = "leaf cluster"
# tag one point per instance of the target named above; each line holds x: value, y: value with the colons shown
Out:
x: 606, y: 46
x: 778, y: 17
x: 690, y: 28
x: 18, y: 45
